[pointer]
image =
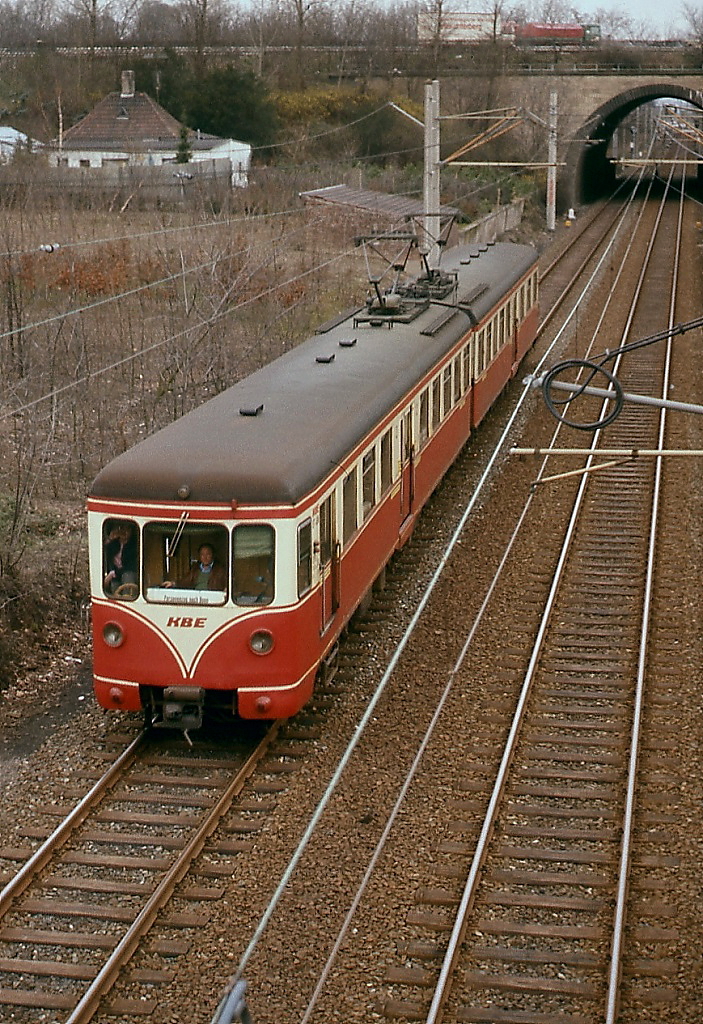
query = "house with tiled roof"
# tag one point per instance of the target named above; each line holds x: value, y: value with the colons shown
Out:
x: 130, y: 128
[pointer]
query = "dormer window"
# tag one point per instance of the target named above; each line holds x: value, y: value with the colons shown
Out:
x: 123, y: 115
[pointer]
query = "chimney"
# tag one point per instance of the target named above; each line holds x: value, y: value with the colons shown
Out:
x: 127, y: 84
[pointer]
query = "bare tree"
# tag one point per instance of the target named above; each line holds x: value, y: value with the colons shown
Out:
x: 432, y: 26
x: 303, y: 12
x: 497, y: 10
x: 207, y: 20
x: 551, y: 12
x: 25, y: 21
x: 198, y: 16
x: 158, y: 22
x: 350, y: 29
x: 87, y: 10
x: 613, y: 23
x: 263, y: 27
x: 124, y: 15
x: 105, y: 20
x: 693, y: 16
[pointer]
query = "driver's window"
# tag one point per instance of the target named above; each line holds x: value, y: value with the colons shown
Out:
x: 185, y: 563
x: 121, y: 559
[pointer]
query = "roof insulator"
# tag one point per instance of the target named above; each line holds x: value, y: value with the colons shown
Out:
x: 253, y: 410
x: 347, y: 343
x: 325, y: 359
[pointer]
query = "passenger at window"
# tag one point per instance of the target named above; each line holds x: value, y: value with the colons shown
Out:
x: 121, y: 557
x: 205, y: 574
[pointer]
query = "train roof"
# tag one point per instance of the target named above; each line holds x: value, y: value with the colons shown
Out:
x: 273, y: 436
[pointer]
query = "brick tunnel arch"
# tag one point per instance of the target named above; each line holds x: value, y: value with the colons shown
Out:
x: 587, y: 174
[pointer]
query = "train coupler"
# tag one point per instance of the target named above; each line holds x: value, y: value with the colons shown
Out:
x: 182, y: 708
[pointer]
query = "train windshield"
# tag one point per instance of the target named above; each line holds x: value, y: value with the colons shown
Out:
x: 186, y: 563
x: 189, y: 563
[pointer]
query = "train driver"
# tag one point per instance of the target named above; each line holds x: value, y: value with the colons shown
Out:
x: 121, y: 560
x: 205, y: 574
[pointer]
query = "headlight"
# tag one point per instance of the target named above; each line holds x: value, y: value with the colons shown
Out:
x: 261, y: 642
x: 113, y: 635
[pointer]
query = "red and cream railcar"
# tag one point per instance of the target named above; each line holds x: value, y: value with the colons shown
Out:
x: 303, y: 479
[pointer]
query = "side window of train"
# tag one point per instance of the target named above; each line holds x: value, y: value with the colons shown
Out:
x: 368, y: 482
x: 304, y: 557
x: 466, y: 365
x: 478, y: 354
x: 423, y: 424
x: 386, y: 461
x: 447, y: 392
x: 121, y: 559
x: 253, y: 563
x: 457, y: 376
x: 327, y: 528
x: 350, y: 514
x: 436, y: 402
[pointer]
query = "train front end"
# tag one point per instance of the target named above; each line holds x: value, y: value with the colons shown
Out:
x: 191, y: 615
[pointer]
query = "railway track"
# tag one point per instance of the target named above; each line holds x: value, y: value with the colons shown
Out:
x: 546, y: 884
x: 89, y: 895
x: 534, y: 893
x: 590, y: 752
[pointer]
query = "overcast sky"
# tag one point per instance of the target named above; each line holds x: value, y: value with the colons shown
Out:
x: 664, y: 16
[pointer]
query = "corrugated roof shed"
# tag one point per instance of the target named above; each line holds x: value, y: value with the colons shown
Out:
x: 395, y: 207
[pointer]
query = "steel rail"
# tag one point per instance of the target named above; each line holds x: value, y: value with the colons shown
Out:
x: 391, y: 668
x: 344, y: 929
x: 613, y: 998
x: 627, y: 453
x: 70, y: 823
x: 448, y: 968
x: 555, y: 306
x: 415, y: 618
x: 89, y: 1003
x: 584, y: 223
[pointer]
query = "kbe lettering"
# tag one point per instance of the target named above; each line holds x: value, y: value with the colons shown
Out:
x: 185, y: 621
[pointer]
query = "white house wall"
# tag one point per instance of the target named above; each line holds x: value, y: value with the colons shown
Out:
x: 237, y: 153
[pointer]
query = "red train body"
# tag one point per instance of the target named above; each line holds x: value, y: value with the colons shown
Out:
x: 553, y: 34
x: 301, y: 480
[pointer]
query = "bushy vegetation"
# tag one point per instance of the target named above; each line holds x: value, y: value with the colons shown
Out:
x: 130, y: 322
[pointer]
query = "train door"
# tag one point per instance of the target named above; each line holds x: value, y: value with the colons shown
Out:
x: 329, y: 560
x: 407, y: 469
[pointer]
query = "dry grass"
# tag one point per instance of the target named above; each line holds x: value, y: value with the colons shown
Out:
x: 130, y: 322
